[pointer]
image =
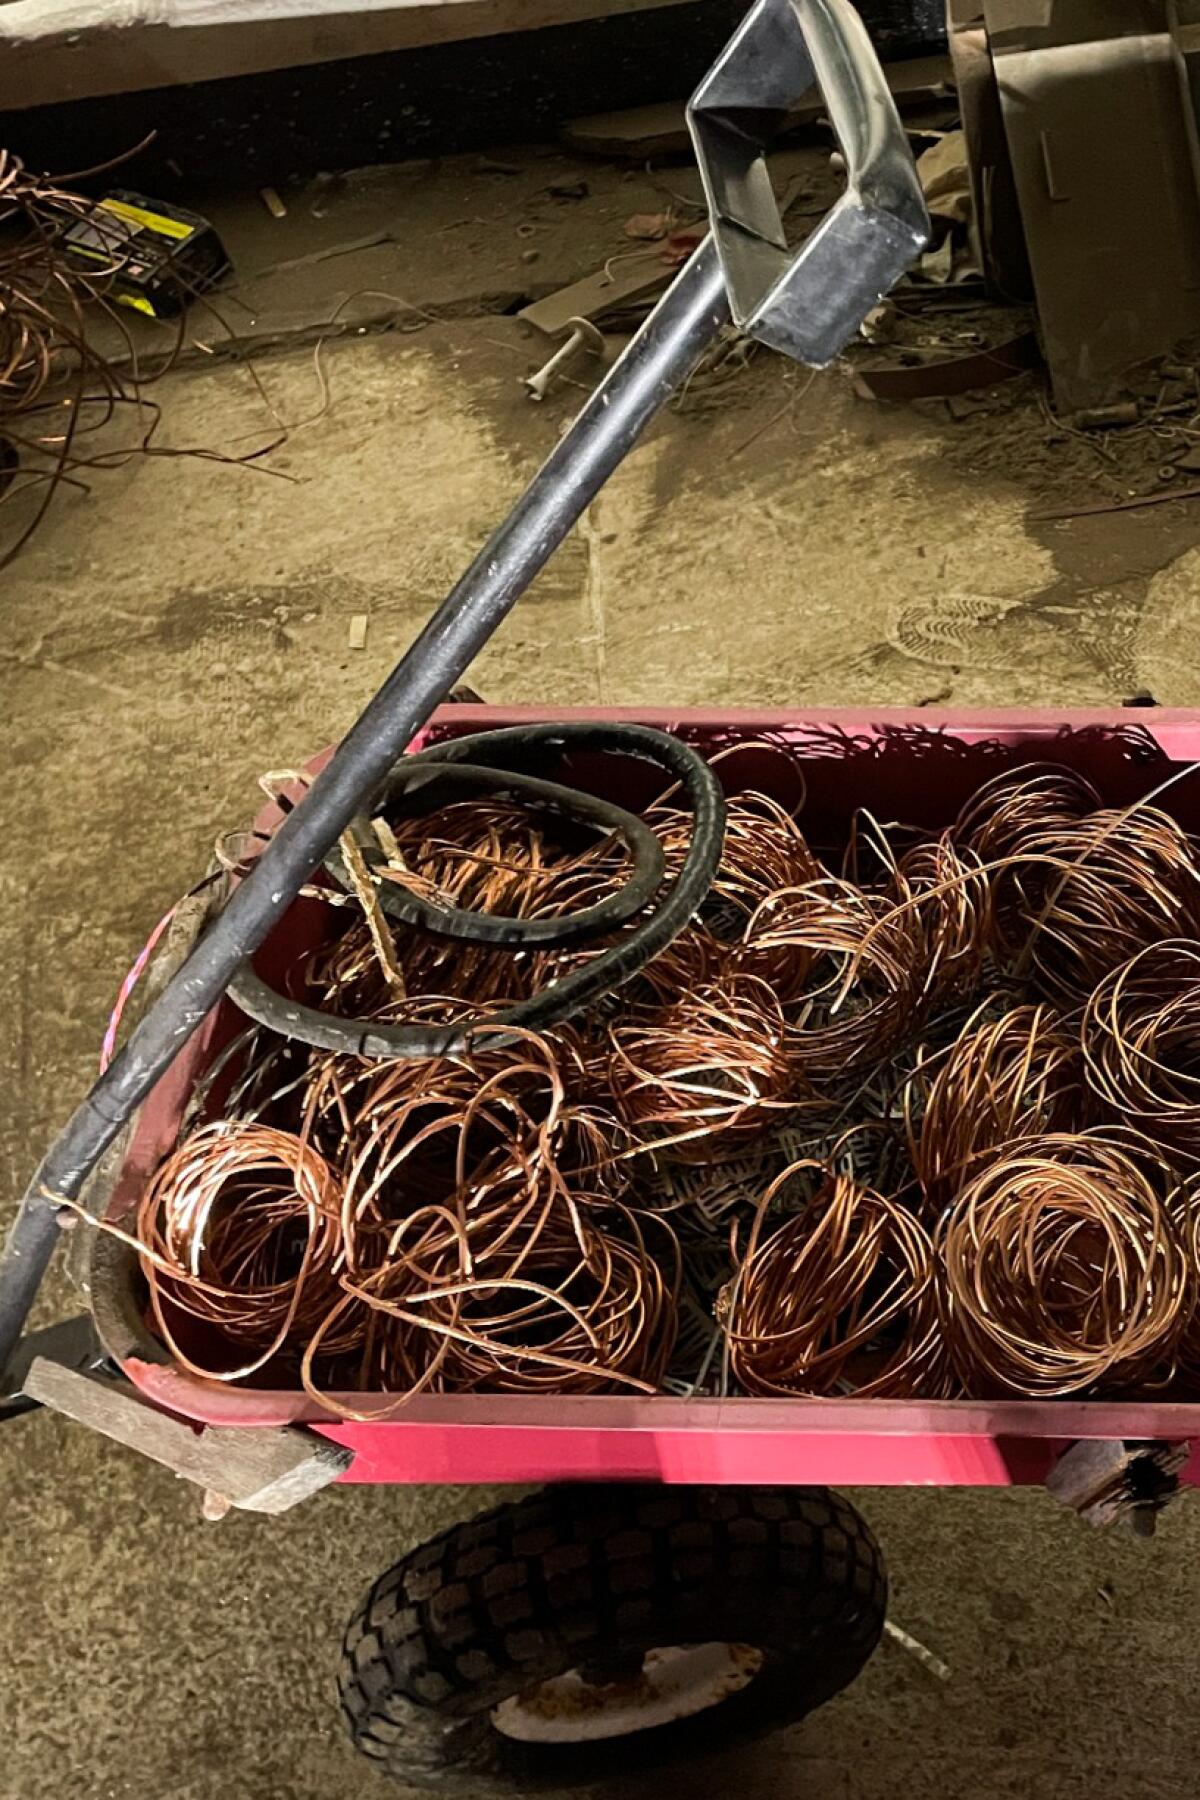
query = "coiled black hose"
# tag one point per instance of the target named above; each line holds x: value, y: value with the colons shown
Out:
x: 571, y: 995
x: 502, y: 931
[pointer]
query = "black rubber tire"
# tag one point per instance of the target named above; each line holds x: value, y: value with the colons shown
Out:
x: 578, y: 1576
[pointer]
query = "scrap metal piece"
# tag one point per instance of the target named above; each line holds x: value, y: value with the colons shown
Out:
x: 584, y: 336
x: 807, y: 302
x: 1119, y: 1482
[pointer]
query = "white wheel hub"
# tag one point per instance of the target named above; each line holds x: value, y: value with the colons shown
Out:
x: 673, y: 1683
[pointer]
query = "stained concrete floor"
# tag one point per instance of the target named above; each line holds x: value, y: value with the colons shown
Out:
x: 183, y: 628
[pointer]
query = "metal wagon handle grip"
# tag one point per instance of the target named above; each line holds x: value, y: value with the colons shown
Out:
x: 810, y: 301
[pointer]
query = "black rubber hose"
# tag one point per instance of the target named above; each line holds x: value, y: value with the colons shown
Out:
x: 425, y: 783
x: 571, y: 995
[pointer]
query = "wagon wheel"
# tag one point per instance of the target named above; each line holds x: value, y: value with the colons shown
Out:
x: 584, y: 1631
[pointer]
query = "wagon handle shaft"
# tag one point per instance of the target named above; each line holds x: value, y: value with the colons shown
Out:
x: 808, y: 304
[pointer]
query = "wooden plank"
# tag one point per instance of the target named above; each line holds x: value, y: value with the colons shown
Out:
x: 635, y: 277
x: 660, y: 130
x: 52, y: 50
x: 257, y: 1471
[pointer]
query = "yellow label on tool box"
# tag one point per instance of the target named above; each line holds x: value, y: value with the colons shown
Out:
x: 151, y: 221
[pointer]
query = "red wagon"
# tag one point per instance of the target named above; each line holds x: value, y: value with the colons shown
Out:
x: 745, y: 1466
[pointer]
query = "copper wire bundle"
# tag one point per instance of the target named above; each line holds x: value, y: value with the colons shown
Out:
x: 1065, y: 1273
x: 1082, y: 887
x: 491, y: 855
x: 1004, y: 1079
x: 1141, y: 1045
x: 520, y: 1292
x: 947, y: 888
x: 840, y: 1297
x: 240, y: 1232
x: 999, y: 818
x: 711, y: 1069
x: 765, y: 850
x: 864, y: 962
x: 408, y: 1132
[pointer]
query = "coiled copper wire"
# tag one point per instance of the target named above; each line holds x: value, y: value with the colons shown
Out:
x: 949, y: 891
x: 864, y: 965
x: 1018, y: 1076
x: 705, y: 1075
x: 1082, y: 887
x: 1065, y: 1273
x: 1141, y: 1045
x: 765, y: 850
x: 997, y: 821
x: 841, y: 1297
x: 519, y: 1291
x: 240, y: 1232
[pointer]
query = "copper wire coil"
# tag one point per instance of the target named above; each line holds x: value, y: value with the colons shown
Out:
x: 1065, y: 1273
x: 1130, y: 879
x: 406, y: 1133
x: 999, y: 817
x: 712, y: 1068
x: 840, y: 1297
x: 950, y: 894
x: 1018, y: 1076
x: 863, y: 961
x: 1078, y: 888
x: 240, y: 1232
x: 1141, y: 1045
x: 519, y: 1292
x: 493, y: 856
x: 765, y: 850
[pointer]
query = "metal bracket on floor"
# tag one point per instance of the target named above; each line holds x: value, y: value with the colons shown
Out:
x: 1119, y: 1481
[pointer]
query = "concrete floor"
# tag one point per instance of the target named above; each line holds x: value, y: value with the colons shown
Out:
x: 184, y: 628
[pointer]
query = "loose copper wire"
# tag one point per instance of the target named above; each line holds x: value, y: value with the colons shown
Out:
x: 523, y: 1293
x: 1065, y: 1273
x: 840, y: 1297
x: 1018, y: 1076
x: 829, y: 928
x: 1082, y: 887
x: 239, y: 1231
x: 710, y: 1069
x: 1141, y: 1045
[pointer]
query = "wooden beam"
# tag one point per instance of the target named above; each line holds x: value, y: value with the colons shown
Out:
x: 52, y: 50
x: 266, y: 1471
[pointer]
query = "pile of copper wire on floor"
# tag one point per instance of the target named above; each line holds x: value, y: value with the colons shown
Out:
x: 915, y: 1113
x: 76, y: 371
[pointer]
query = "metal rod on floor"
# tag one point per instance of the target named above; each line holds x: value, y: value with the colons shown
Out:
x: 667, y: 347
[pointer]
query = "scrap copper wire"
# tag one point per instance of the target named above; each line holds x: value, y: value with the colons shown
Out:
x: 765, y: 850
x: 704, y: 1075
x: 950, y: 893
x: 1018, y: 1076
x: 1141, y: 1045
x: 59, y: 393
x: 240, y: 1232
x: 519, y: 1292
x: 1077, y: 887
x: 998, y: 819
x: 1066, y: 1273
x: 841, y: 1297
x: 863, y: 963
